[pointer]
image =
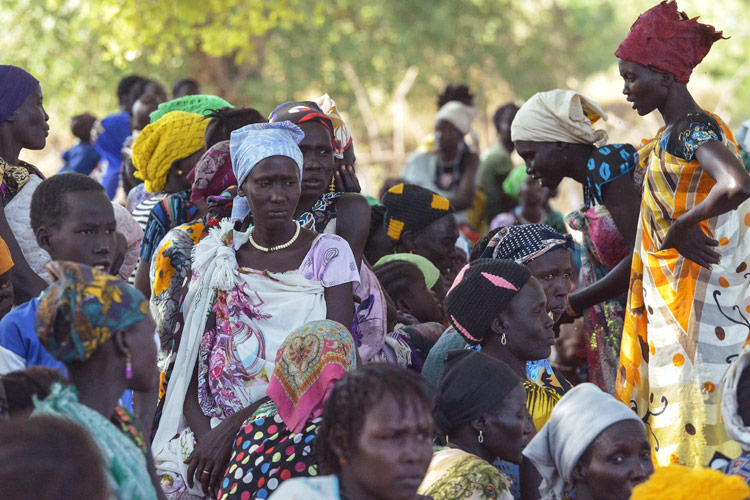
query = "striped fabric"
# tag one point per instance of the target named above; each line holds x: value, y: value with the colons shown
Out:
x: 684, y: 323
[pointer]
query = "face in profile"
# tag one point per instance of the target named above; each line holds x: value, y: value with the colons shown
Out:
x: 437, y: 243
x: 643, y: 88
x: 544, y: 162
x: 29, y: 122
x: 527, y: 324
x: 554, y: 271
x: 508, y: 429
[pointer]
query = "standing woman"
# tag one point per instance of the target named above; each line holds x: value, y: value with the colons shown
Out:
x: 249, y: 289
x: 686, y: 313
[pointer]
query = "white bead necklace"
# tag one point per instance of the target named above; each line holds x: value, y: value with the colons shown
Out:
x: 277, y: 247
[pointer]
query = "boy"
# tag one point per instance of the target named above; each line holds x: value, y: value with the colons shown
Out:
x: 81, y: 158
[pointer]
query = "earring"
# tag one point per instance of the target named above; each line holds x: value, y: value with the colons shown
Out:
x: 342, y: 461
x: 503, y: 340
x: 332, y: 187
x: 480, y: 438
x: 180, y: 172
x: 128, y: 367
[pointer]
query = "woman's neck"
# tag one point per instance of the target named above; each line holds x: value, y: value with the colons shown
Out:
x: 9, y: 147
x: 99, y: 395
x: 271, y: 236
x: 496, y: 350
x: 350, y: 489
x: 467, y: 439
x: 578, y: 157
x: 678, y: 103
x: 533, y: 214
x: 448, y: 156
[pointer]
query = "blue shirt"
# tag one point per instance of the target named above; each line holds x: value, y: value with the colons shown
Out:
x: 19, y: 344
x: 109, y: 146
x: 80, y: 159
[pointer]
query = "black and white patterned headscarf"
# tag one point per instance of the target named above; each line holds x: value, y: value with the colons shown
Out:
x: 525, y: 243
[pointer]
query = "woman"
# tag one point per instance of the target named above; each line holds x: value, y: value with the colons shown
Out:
x: 309, y: 362
x: 374, y: 442
x: 99, y: 327
x: 481, y: 412
x: 592, y: 445
x: 684, y: 318
x: 554, y: 135
x: 421, y: 221
x: 248, y: 290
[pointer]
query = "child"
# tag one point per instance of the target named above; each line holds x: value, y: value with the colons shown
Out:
x: 81, y: 158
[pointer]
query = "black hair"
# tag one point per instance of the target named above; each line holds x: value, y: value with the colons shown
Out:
x: 397, y: 276
x: 481, y: 245
x: 226, y: 120
x: 507, y: 107
x: 353, y: 397
x: 81, y: 126
x: 137, y: 90
x: 48, y: 205
x: 460, y: 93
x: 58, y: 450
x: 184, y: 82
x: 377, y: 216
x: 21, y: 386
x: 125, y: 86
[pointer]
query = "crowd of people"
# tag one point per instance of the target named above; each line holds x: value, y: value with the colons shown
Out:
x: 202, y: 305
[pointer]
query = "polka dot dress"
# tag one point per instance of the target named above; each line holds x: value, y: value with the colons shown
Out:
x: 265, y: 454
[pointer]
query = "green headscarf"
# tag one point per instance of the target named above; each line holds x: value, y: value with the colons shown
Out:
x: 200, y: 104
x: 431, y: 273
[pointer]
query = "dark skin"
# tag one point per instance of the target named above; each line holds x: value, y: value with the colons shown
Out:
x: 614, y: 463
x: 391, y: 455
x: 533, y: 201
x: 436, y: 242
x: 272, y: 189
x: 353, y: 219
x: 6, y: 292
x: 448, y: 140
x: 346, y: 176
x: 25, y: 128
x: 553, y: 271
x: 743, y: 397
x: 420, y: 302
x: 651, y: 91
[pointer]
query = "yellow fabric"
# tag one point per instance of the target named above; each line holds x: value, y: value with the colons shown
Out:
x: 676, y: 482
x: 683, y: 323
x: 6, y: 261
x: 174, y: 136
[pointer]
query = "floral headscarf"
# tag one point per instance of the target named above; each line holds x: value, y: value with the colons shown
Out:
x: 83, y: 308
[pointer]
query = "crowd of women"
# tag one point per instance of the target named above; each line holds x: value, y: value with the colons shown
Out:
x: 208, y: 308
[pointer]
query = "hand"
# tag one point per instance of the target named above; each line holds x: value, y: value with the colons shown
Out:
x: 210, y: 458
x: 692, y: 243
x: 346, y: 180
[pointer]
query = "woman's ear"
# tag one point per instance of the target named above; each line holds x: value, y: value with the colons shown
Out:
x: 43, y: 239
x: 478, y: 424
x: 666, y: 79
x: 408, y: 240
x: 579, y: 473
x: 337, y: 438
x: 121, y: 342
x: 498, y: 324
x: 403, y: 306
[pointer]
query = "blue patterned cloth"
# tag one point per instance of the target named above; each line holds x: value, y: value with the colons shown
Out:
x: 689, y: 133
x: 606, y: 164
x: 740, y: 466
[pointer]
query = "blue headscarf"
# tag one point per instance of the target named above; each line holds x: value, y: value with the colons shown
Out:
x: 525, y: 243
x: 258, y: 141
x: 16, y: 85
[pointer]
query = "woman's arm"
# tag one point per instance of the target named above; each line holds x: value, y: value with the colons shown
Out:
x: 142, y: 279
x: 26, y: 283
x: 340, y: 304
x: 353, y: 222
x: 623, y: 202
x: 615, y: 283
x: 199, y: 423
x: 464, y: 196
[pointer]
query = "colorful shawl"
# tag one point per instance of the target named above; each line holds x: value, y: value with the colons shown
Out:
x: 213, y: 173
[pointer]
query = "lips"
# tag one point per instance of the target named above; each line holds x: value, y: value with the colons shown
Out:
x: 103, y: 266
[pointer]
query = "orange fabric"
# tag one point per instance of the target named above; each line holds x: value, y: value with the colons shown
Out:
x: 6, y: 261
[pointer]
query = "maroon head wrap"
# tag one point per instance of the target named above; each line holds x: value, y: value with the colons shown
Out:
x: 665, y: 40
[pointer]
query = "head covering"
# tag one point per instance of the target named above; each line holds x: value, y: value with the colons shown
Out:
x: 299, y: 112
x: 583, y: 413
x: 730, y: 410
x: 558, y: 116
x: 678, y: 482
x: 525, y: 243
x: 213, y: 173
x: 200, y: 104
x: 16, y: 85
x: 174, y: 136
x: 6, y: 261
x: 665, y: 40
x: 743, y: 136
x: 309, y: 360
x: 430, y: 272
x: 82, y: 308
x: 472, y: 385
x: 342, y: 139
x: 481, y: 291
x: 458, y: 114
x: 410, y: 208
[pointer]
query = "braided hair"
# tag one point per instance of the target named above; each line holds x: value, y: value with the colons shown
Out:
x: 225, y: 120
x: 353, y: 396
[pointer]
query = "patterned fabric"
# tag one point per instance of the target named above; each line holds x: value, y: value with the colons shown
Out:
x: 731, y: 401
x: 83, y: 308
x: 740, y: 466
x: 410, y: 208
x: 602, y: 249
x: 683, y: 323
x: 175, y: 136
x: 525, y: 243
x: 14, y: 177
x: 127, y: 423
x: 266, y: 453
x: 310, y: 359
x: 515, y: 217
x: 213, y: 173
x: 321, y: 213
x: 299, y: 112
x: 16, y: 84
x: 309, y: 488
x: 172, y: 211
x: 200, y: 104
x: 668, y: 41
x: 455, y: 474
x: 694, y: 130
x: 6, y: 260
x: 123, y: 462
x: 342, y: 138
x: 606, y: 164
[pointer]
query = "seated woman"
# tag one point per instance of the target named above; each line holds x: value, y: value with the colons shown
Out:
x: 99, y: 326
x: 481, y: 412
x: 421, y: 221
x: 309, y: 362
x: 248, y: 290
x: 593, y: 446
x: 553, y: 132
x: 374, y: 442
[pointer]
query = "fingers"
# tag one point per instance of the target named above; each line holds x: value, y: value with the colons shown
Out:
x: 205, y: 477
x: 191, y: 470
x: 347, y: 180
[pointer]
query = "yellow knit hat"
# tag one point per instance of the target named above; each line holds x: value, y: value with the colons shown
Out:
x: 174, y: 136
x: 677, y: 482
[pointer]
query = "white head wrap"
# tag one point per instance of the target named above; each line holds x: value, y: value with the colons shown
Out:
x: 458, y: 114
x: 576, y: 421
x: 258, y: 141
x: 558, y: 116
x: 342, y: 138
x: 733, y: 423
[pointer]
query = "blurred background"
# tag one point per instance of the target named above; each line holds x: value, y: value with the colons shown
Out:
x: 383, y: 61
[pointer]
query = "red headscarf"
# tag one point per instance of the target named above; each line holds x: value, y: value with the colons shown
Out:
x: 667, y: 41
